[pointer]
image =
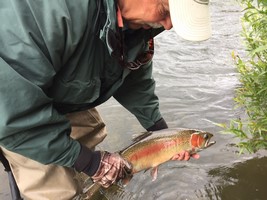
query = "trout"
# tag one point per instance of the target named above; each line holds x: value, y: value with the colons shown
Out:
x: 159, y: 147
x: 162, y: 145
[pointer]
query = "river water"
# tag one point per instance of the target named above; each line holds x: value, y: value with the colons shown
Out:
x: 195, y: 85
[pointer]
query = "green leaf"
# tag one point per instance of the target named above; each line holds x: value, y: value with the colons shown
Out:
x: 259, y: 49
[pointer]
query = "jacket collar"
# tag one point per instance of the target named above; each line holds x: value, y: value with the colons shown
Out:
x: 111, y: 32
x: 110, y: 8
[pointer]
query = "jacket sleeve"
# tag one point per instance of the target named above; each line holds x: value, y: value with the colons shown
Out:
x: 137, y: 94
x: 36, y: 38
x: 29, y: 124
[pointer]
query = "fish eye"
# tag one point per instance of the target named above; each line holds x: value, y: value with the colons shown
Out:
x: 206, y: 136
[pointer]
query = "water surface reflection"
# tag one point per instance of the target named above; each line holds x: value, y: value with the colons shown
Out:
x: 241, y: 181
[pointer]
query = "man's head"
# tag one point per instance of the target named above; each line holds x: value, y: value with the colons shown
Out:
x: 190, y: 18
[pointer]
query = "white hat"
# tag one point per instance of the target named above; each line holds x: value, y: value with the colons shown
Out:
x: 191, y: 19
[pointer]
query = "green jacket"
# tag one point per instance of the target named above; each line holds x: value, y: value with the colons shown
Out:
x: 56, y: 58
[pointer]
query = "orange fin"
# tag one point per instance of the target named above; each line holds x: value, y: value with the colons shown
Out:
x: 154, y: 173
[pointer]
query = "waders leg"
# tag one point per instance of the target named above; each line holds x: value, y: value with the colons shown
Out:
x: 15, y: 194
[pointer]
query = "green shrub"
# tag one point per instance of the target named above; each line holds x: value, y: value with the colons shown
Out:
x: 251, y: 96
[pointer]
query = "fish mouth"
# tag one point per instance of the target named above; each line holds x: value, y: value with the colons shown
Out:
x: 209, y: 143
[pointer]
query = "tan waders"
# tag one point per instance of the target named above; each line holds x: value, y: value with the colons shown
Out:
x: 51, y: 182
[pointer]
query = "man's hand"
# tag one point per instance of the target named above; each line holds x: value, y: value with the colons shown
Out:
x: 184, y: 155
x: 112, y: 168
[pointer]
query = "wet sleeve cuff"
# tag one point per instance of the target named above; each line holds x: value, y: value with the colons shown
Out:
x: 88, y: 161
x: 160, y: 124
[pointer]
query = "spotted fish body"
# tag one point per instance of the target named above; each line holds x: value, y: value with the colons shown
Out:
x: 162, y: 145
x: 158, y: 148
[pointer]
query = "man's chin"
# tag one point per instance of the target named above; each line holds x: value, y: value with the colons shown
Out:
x: 146, y: 27
x: 134, y: 26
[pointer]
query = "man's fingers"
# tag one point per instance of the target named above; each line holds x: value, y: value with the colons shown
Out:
x: 175, y: 157
x: 105, y: 182
x: 184, y: 155
x: 127, y: 167
x: 196, y: 156
x: 112, y: 168
x: 179, y: 156
x: 187, y: 156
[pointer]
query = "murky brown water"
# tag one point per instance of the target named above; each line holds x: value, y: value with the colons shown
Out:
x: 195, y: 84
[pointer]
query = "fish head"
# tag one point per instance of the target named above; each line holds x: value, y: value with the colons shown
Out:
x: 201, y: 140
